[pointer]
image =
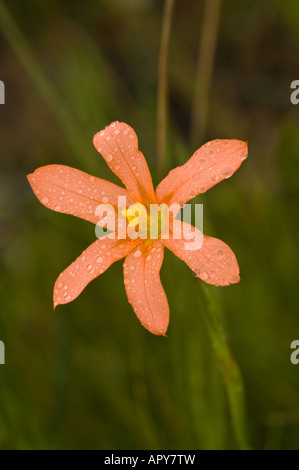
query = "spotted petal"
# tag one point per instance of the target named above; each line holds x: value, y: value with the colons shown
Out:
x: 210, y: 164
x: 143, y: 286
x: 70, y: 191
x: 118, y: 144
x: 90, y: 264
x: 214, y: 262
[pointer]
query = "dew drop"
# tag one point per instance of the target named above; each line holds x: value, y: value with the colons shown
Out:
x: 58, y: 208
x: 214, y: 178
x: 105, y: 199
x: 89, y: 267
x: 45, y: 200
x: 100, y: 259
x: 137, y: 254
x: 109, y: 157
x: 68, y: 298
x: 227, y: 171
x: 116, y: 132
x: 204, y: 276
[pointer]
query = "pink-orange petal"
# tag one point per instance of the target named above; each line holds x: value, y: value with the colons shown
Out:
x: 214, y: 263
x: 70, y: 191
x: 210, y: 164
x: 118, y: 144
x: 90, y: 264
x: 143, y: 286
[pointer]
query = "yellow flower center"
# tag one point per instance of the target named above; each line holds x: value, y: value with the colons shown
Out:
x: 145, y: 222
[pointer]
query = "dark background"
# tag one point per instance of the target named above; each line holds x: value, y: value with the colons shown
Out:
x: 89, y: 375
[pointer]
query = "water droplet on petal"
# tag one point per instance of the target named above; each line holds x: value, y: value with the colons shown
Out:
x: 89, y: 267
x: 109, y: 157
x: 105, y: 199
x: 45, y: 200
x: 227, y: 171
x: 204, y: 276
x: 100, y: 259
x: 58, y: 208
x: 137, y: 254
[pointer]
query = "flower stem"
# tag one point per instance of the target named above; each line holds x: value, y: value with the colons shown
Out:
x: 204, y: 69
x: 162, y: 86
x: 229, y: 369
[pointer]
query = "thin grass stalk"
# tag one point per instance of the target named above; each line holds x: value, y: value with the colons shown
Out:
x: 163, y: 87
x: 204, y: 70
x: 228, y: 367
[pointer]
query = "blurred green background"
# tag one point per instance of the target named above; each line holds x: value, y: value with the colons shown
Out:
x: 89, y: 375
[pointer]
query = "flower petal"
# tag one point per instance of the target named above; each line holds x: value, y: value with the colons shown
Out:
x: 214, y: 262
x: 144, y: 288
x: 70, y: 191
x: 210, y: 164
x: 90, y: 264
x: 118, y: 144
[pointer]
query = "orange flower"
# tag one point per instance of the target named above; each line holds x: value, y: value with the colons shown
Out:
x: 70, y: 191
